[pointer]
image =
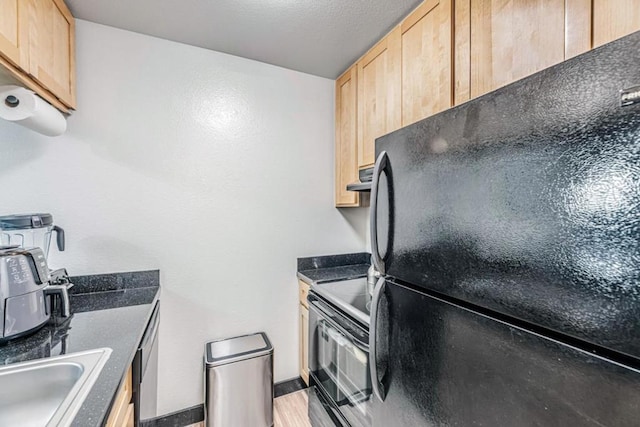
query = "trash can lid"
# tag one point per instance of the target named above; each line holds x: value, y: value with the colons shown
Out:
x: 236, y: 349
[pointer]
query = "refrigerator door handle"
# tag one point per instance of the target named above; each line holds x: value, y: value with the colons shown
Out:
x: 381, y: 164
x: 378, y: 387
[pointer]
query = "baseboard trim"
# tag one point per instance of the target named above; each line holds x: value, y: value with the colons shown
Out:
x: 184, y: 417
x: 195, y: 414
x: 288, y: 386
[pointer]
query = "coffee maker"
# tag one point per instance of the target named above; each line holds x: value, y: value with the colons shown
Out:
x: 29, y: 291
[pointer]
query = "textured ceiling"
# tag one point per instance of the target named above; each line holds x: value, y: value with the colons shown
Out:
x: 321, y: 37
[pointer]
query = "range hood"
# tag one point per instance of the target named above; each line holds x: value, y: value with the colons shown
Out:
x: 364, y: 184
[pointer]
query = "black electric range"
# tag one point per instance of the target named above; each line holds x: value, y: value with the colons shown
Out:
x: 340, y: 381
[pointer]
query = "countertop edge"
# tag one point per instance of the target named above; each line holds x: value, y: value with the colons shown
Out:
x: 304, y: 278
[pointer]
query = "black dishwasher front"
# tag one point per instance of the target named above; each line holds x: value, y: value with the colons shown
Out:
x: 145, y: 371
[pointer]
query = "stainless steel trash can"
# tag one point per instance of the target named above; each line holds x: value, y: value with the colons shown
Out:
x: 239, y: 382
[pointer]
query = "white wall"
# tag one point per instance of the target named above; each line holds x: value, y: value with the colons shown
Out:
x: 215, y: 169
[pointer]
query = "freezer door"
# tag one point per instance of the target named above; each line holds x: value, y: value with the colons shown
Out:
x: 525, y: 201
x: 447, y: 365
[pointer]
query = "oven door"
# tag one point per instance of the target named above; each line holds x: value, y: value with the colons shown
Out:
x: 339, y: 362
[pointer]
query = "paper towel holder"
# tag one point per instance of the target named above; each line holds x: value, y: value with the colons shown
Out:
x: 12, y: 101
x: 25, y: 108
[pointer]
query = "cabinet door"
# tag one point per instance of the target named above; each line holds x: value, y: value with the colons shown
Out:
x: 118, y: 417
x: 379, y: 95
x: 613, y: 19
x: 303, y: 329
x: 11, y: 36
x: 346, y: 138
x: 303, y: 292
x: 511, y: 39
x: 51, y: 49
x: 427, y: 61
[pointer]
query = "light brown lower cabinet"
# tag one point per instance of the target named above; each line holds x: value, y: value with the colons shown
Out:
x: 303, y: 330
x: 121, y: 414
x: 129, y: 417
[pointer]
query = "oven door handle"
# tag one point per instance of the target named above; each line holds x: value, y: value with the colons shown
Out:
x: 317, y: 308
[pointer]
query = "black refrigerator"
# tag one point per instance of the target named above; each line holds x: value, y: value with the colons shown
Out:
x: 507, y: 232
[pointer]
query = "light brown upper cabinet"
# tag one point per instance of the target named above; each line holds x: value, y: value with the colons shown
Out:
x: 51, y: 58
x: 427, y: 55
x: 379, y: 95
x: 37, y: 49
x: 613, y: 19
x: 447, y: 52
x: 12, y: 46
x: 511, y: 39
x: 346, y: 138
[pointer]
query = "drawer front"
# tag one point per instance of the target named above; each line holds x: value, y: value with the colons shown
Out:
x: 304, y: 291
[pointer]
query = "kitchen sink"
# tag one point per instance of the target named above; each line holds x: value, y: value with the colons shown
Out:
x: 48, y: 392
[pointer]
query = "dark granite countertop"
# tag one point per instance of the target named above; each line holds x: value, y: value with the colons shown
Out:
x: 332, y: 268
x: 116, y: 317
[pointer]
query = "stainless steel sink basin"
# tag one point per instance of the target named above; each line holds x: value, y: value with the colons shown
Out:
x: 48, y: 392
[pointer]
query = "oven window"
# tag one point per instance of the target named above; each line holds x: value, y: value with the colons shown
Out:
x: 343, y: 371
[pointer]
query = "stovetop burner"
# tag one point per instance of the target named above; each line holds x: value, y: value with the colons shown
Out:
x: 349, y: 295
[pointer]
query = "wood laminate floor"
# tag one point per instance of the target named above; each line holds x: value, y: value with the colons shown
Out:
x: 289, y: 410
